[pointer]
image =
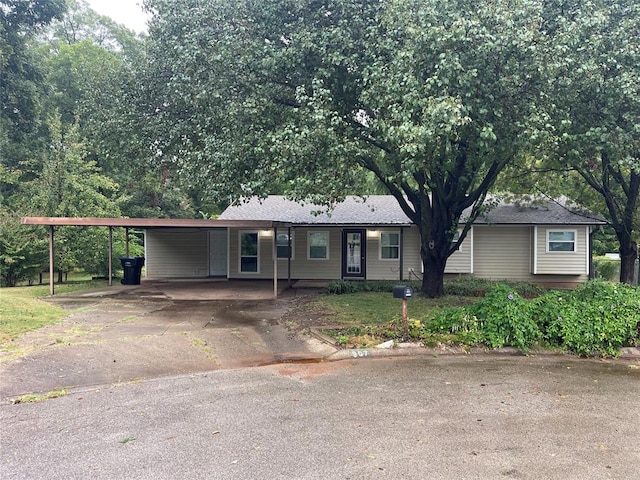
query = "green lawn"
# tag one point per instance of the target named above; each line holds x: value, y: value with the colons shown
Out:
x: 367, y: 308
x: 22, y: 310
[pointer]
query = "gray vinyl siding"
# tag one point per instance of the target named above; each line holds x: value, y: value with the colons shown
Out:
x: 502, y: 252
x: 506, y: 252
x: 176, y: 253
x: 412, y: 262
x: 265, y: 246
x: 563, y: 263
x: 461, y: 260
x: 302, y: 268
x: 378, y: 268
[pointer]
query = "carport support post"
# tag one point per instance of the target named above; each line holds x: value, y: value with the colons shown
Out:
x: 275, y: 262
x: 126, y: 242
x: 401, y: 253
x: 110, y: 256
x: 51, y: 289
x: 289, y: 257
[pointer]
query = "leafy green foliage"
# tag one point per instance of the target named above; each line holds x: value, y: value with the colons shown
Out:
x: 595, y: 318
x: 463, y: 287
x: 595, y: 91
x: 606, y: 268
x: 23, y: 252
x: 464, y: 327
x: 340, y: 287
x: 506, y: 319
x: 598, y: 317
x: 432, y: 98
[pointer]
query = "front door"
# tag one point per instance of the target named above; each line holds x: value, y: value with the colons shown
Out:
x: 218, y: 252
x: 354, y: 249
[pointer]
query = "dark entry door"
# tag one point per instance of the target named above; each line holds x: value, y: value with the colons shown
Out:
x: 354, y: 249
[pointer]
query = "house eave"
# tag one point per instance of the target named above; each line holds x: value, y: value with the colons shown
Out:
x: 147, y: 222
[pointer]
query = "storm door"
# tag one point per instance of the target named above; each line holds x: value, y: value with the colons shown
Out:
x: 354, y: 248
x: 218, y: 252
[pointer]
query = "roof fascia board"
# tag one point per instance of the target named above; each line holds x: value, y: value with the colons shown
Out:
x: 146, y: 222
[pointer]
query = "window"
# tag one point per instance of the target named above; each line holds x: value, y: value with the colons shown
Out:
x: 455, y: 241
x: 561, y: 241
x: 318, y: 245
x: 282, y: 245
x: 249, y: 252
x: 389, y: 245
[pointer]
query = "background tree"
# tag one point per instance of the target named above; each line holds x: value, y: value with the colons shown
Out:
x: 596, y: 89
x: 433, y: 98
x: 21, y: 82
x: 71, y: 185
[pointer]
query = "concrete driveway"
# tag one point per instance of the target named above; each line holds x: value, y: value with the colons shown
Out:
x: 125, y: 333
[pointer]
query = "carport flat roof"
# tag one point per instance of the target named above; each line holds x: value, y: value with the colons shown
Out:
x: 146, y: 222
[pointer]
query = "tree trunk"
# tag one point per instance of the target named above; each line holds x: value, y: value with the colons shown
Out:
x: 60, y: 276
x: 628, y: 256
x: 434, y: 262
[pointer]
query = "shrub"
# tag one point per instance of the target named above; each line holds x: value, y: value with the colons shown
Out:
x: 340, y: 287
x: 506, y: 318
x: 596, y: 318
x: 459, y: 322
x: 606, y: 268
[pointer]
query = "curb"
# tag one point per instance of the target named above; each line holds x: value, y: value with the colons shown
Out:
x: 629, y: 353
x: 413, y: 349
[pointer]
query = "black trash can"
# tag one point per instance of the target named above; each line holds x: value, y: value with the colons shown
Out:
x: 132, y: 267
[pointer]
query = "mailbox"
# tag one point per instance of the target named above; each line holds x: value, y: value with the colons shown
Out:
x: 402, y: 291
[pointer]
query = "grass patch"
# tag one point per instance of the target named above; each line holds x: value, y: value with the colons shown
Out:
x: 204, y: 348
x: 378, y: 308
x: 34, y: 398
x: 22, y: 310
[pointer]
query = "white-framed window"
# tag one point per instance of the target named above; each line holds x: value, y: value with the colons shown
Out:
x: 561, y: 240
x: 249, y: 252
x: 282, y: 245
x: 389, y: 245
x: 318, y: 246
x: 455, y: 241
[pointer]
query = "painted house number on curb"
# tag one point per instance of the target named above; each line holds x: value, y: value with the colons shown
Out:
x: 359, y: 353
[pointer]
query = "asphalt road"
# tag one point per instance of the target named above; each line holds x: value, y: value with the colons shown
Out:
x: 448, y: 417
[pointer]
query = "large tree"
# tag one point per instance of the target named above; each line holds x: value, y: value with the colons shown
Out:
x: 434, y: 98
x: 21, y: 83
x: 596, y: 90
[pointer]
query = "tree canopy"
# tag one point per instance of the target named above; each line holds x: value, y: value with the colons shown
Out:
x: 433, y: 98
x: 430, y: 101
x: 596, y: 91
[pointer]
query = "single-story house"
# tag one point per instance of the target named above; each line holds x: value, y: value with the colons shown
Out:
x: 370, y: 239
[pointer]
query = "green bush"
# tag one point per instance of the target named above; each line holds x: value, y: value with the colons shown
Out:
x: 458, y: 322
x: 606, y: 268
x: 596, y: 318
x: 463, y: 287
x: 506, y: 319
x: 341, y: 287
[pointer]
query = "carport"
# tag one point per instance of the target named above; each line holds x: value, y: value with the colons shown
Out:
x: 148, y: 223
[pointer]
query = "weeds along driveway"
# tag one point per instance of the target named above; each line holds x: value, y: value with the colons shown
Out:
x: 126, y: 338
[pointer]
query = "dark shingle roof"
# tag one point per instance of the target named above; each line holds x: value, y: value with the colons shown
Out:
x: 385, y: 210
x: 374, y: 210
